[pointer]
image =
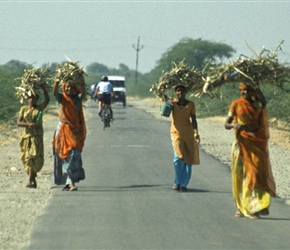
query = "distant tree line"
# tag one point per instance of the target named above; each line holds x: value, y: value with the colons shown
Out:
x: 195, y: 53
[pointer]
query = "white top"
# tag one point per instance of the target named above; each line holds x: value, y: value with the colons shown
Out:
x: 104, y: 87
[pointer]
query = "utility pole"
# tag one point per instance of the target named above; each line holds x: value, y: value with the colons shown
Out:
x: 138, y: 48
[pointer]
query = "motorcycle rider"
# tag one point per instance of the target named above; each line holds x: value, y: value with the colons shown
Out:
x: 104, y: 92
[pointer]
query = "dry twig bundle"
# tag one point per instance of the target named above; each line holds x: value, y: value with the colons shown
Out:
x: 265, y: 69
x: 179, y: 74
x: 32, y: 83
x: 71, y: 71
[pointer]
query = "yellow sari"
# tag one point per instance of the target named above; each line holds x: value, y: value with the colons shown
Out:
x: 252, y: 179
x: 31, y: 142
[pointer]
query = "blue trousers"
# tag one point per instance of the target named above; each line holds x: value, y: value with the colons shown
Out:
x: 182, y: 171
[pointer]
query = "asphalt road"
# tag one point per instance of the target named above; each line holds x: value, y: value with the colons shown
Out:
x: 126, y: 201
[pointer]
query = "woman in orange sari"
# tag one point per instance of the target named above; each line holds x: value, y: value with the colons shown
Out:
x: 252, y: 179
x: 70, y: 135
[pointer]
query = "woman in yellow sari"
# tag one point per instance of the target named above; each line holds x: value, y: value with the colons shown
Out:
x: 252, y: 179
x: 31, y: 143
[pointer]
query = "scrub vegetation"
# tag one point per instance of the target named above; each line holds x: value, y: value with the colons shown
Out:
x: 195, y: 53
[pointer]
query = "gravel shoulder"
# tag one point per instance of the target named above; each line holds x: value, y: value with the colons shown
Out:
x: 20, y: 206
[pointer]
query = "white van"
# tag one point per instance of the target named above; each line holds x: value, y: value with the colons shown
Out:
x: 119, y: 88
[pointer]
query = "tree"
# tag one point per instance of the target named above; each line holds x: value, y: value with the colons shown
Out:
x: 51, y: 66
x: 17, y: 65
x: 97, y: 68
x: 124, y: 69
x: 195, y: 53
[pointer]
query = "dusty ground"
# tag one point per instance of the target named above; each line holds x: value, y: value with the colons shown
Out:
x: 19, y: 206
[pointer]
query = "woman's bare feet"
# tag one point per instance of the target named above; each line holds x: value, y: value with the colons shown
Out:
x: 73, y: 187
x: 239, y: 214
x: 255, y: 216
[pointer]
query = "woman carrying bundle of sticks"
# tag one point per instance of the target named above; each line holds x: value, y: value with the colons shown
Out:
x: 252, y: 179
x: 31, y: 143
x: 71, y: 133
x: 185, y: 138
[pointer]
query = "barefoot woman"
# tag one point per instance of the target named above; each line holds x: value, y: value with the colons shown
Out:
x: 31, y: 143
x: 252, y: 179
x: 70, y: 135
x: 185, y: 138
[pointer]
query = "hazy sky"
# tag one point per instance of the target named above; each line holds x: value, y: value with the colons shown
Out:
x: 39, y: 32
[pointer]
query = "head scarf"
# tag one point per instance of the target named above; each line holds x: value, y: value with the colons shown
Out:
x: 245, y: 86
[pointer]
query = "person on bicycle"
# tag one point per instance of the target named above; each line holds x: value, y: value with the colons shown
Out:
x: 92, y: 92
x: 104, y: 92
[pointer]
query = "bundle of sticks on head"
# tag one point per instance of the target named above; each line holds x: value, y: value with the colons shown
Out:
x: 33, y: 82
x: 264, y: 69
x: 179, y: 74
x: 71, y: 72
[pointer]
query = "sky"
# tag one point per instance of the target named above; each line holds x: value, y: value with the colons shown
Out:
x: 107, y: 32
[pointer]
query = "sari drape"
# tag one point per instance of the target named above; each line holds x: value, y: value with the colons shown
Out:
x: 253, y: 181
x: 31, y: 142
x: 72, y: 133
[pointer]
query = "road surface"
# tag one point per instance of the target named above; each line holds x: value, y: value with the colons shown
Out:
x: 126, y: 200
